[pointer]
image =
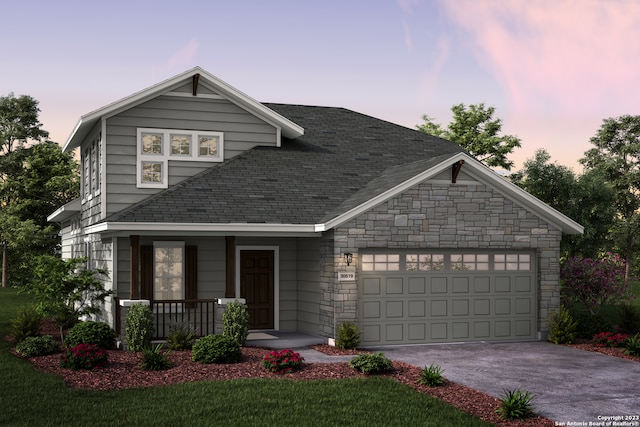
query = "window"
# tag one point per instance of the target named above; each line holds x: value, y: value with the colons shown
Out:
x: 168, y: 274
x: 428, y: 262
x: 469, y: 262
x: 91, y: 168
x: 208, y: 146
x: 512, y: 262
x: 156, y: 147
x: 380, y: 262
x: 180, y: 145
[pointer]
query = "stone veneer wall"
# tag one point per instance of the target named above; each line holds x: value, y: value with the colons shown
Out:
x: 439, y: 216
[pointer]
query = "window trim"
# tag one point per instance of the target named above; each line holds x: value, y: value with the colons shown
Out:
x: 165, y: 155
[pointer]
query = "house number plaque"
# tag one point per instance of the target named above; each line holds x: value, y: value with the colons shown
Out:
x: 346, y: 276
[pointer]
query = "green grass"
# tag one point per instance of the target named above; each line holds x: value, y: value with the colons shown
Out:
x: 30, y: 398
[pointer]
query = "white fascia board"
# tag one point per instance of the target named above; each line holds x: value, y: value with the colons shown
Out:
x: 65, y: 211
x: 290, y: 129
x: 199, y: 228
x: 563, y: 222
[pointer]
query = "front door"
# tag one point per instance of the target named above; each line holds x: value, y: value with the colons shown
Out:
x: 256, y: 286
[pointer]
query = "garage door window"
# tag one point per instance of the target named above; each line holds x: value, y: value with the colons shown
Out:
x: 425, y: 262
x: 512, y: 262
x: 468, y: 262
x: 381, y: 262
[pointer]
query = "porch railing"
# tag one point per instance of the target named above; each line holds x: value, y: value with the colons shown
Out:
x: 198, y: 314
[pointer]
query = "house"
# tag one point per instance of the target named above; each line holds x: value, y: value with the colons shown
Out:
x: 193, y: 192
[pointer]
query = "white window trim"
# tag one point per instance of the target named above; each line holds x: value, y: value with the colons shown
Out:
x: 165, y: 155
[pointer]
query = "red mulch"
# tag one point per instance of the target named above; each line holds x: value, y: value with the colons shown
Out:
x: 123, y: 371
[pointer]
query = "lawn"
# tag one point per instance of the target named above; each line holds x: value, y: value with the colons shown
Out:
x: 30, y: 398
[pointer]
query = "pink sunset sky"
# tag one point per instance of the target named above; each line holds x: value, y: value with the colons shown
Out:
x: 553, y: 69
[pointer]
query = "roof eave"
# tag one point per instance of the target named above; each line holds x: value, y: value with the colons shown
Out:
x: 65, y: 212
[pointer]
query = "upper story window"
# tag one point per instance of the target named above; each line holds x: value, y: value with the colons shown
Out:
x: 91, y: 168
x: 156, y: 147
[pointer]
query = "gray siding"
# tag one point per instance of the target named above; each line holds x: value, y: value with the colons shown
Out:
x: 242, y: 131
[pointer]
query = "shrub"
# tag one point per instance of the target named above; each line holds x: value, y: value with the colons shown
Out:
x: 562, y: 327
x: 235, y: 322
x: 348, y: 336
x: 37, y: 346
x: 154, y: 359
x: 431, y: 376
x: 26, y: 323
x: 216, y: 349
x: 282, y: 362
x: 629, y: 318
x: 589, y: 325
x: 138, y: 328
x: 609, y: 339
x: 181, y: 336
x: 373, y: 363
x: 594, y: 282
x: 84, y: 356
x: 515, y: 404
x: 90, y: 332
x: 632, y: 345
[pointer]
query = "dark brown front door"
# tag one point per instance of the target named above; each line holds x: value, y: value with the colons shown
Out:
x: 256, y: 286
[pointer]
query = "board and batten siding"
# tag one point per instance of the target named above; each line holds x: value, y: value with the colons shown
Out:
x: 308, y: 285
x: 242, y: 131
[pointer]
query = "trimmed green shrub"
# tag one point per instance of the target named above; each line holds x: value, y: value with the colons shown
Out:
x: 26, y: 323
x: 154, y: 359
x: 348, y: 336
x: 431, y: 376
x: 90, y: 332
x: 373, y: 363
x: 37, y: 346
x: 181, y: 336
x: 515, y: 404
x: 562, y: 327
x: 84, y: 356
x: 235, y: 322
x: 629, y: 318
x: 138, y: 329
x: 216, y: 349
x: 632, y: 345
x: 283, y: 361
x: 589, y: 325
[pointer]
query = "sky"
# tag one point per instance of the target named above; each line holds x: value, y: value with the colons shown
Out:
x: 553, y: 69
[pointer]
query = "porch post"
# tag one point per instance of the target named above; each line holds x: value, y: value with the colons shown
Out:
x: 134, y: 267
x: 230, y: 288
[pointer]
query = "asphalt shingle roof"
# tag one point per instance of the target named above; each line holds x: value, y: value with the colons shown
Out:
x: 343, y: 159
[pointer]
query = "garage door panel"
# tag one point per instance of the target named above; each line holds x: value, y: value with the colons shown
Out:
x: 460, y: 285
x: 481, y: 285
x: 371, y: 334
x: 417, y: 308
x: 460, y: 307
x: 393, y: 309
x: 439, y: 331
x: 523, y: 284
x: 394, y: 285
x: 371, y: 309
x: 417, y: 332
x: 523, y: 306
x: 460, y: 331
x: 417, y: 285
x: 438, y: 285
x: 394, y: 332
x: 482, y: 329
x: 482, y: 307
x: 438, y: 308
x: 371, y: 286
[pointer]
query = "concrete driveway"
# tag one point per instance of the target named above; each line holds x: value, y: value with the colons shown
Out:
x: 569, y: 385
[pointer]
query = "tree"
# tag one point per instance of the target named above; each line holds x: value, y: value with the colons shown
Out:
x: 34, y: 181
x: 66, y: 291
x: 594, y: 282
x: 19, y: 122
x: 586, y: 198
x: 475, y: 129
x: 616, y: 154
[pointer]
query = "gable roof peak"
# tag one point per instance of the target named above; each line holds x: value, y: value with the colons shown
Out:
x: 288, y: 128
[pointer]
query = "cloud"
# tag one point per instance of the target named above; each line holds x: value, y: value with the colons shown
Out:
x: 407, y: 6
x: 432, y: 75
x: 183, y: 57
x: 557, y: 54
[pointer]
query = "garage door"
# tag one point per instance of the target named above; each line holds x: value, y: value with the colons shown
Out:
x: 410, y: 298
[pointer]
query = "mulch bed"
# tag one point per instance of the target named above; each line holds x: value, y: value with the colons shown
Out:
x: 123, y: 371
